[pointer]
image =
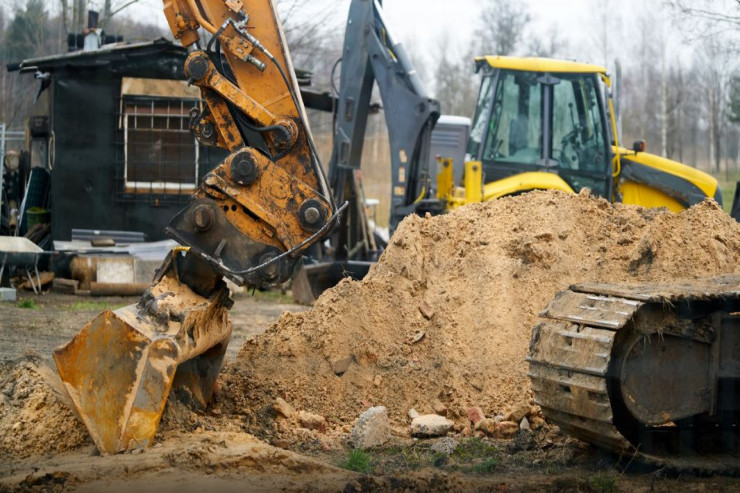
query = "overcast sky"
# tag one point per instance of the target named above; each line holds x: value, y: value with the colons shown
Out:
x: 422, y: 22
x: 419, y: 24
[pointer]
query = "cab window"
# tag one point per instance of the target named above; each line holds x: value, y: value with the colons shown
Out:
x: 577, y: 135
x: 515, y: 135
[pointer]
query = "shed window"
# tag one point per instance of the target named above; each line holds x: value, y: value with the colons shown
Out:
x: 160, y: 152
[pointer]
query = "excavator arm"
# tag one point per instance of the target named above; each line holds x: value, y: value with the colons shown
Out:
x: 249, y: 221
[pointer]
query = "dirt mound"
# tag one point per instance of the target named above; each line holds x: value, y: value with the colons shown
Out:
x: 34, y: 417
x: 445, y: 316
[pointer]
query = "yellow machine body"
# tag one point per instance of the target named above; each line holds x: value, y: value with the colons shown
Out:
x: 635, y: 178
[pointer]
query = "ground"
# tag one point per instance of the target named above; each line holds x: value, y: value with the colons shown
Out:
x: 201, y: 458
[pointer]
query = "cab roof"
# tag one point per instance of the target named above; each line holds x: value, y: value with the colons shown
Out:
x: 537, y: 64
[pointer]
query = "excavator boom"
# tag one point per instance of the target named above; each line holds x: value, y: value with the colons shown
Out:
x: 249, y: 221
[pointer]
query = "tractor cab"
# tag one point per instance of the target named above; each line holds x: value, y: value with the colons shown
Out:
x: 542, y: 115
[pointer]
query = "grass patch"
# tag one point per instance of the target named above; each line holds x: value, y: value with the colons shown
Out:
x: 358, y: 461
x: 603, y: 483
x: 28, y: 304
x: 486, y: 465
x: 92, y: 306
x: 728, y: 184
x: 473, y: 448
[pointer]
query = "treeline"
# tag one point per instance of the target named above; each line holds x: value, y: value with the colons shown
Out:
x: 680, y: 82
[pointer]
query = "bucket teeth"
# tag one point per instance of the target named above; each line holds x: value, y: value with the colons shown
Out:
x: 119, y: 369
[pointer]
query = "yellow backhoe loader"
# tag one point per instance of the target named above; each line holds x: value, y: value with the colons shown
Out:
x: 257, y: 212
x: 550, y: 124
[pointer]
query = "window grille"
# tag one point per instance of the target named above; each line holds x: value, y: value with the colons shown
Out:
x: 158, y: 159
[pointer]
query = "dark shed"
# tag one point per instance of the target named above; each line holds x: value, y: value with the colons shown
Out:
x: 120, y: 152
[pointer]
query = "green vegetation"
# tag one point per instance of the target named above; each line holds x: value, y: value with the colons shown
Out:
x: 27, y: 303
x: 358, y: 461
x: 92, y: 306
x: 728, y: 184
x: 486, y: 466
x: 604, y: 483
x: 474, y: 448
x: 471, y: 455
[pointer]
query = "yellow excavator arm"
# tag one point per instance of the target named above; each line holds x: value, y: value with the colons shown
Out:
x: 250, y: 220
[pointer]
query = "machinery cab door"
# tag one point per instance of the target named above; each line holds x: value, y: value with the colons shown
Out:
x: 534, y: 121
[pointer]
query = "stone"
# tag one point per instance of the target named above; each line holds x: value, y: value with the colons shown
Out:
x: 413, y: 414
x: 439, y: 408
x: 430, y: 425
x: 340, y: 365
x: 281, y: 443
x: 312, y: 421
x: 475, y: 414
x: 524, y: 425
x: 282, y: 408
x: 518, y: 412
x: 426, y: 310
x: 506, y: 429
x: 486, y: 425
x: 7, y: 294
x: 446, y: 445
x: 373, y: 429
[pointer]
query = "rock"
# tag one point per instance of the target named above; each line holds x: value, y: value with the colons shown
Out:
x: 446, y: 446
x: 341, y: 364
x: 506, y: 429
x: 524, y: 425
x: 426, y: 310
x: 281, y: 443
x: 312, y: 421
x: 537, y: 423
x: 373, y: 429
x: 17, y: 426
x: 282, y: 408
x: 475, y: 414
x: 439, y: 408
x: 413, y: 414
x: 418, y: 337
x: 430, y: 425
x: 486, y: 425
x: 518, y: 412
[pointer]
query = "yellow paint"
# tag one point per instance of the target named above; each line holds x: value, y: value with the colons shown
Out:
x: 445, y: 178
x: 640, y: 194
x: 536, y: 64
x: 473, y: 181
x: 705, y: 182
x: 524, y: 182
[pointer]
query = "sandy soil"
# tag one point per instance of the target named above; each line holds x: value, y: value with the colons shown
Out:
x: 442, y: 323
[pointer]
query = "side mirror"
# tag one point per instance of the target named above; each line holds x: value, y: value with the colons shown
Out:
x: 639, y: 146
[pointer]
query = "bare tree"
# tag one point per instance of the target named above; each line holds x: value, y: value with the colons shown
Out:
x: 550, y: 46
x: 501, y: 27
x: 720, y: 13
x: 455, y: 84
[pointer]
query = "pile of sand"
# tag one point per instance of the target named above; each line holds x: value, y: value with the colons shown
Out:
x: 446, y: 314
x: 35, y: 413
x: 444, y: 319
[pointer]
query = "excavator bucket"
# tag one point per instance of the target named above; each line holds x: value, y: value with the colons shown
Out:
x: 119, y: 369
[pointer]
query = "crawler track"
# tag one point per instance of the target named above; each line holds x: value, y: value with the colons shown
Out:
x: 650, y: 370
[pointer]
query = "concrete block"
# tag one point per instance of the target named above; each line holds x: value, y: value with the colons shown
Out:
x: 7, y: 294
